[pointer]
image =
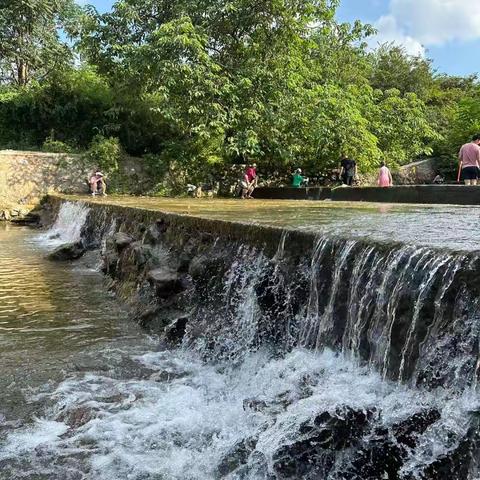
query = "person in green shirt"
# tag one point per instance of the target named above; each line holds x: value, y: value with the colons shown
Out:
x: 298, y: 178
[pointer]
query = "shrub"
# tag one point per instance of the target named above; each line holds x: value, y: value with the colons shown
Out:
x: 56, y: 146
x: 104, y: 153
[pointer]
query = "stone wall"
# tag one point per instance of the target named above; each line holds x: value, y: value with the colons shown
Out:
x: 26, y: 177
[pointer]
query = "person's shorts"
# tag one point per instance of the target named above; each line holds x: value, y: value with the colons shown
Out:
x: 470, y: 173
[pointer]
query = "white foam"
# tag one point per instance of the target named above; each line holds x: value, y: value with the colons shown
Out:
x: 68, y: 225
x: 181, y: 428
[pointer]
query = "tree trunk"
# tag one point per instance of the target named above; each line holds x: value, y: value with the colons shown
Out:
x: 22, y: 73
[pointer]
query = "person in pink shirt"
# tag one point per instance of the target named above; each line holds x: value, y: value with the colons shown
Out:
x: 97, y: 184
x: 384, y: 176
x: 469, y: 158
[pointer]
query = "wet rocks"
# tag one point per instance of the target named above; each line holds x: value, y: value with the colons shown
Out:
x: 175, y: 331
x: 254, y: 404
x: 68, y: 251
x: 76, y: 417
x: 386, y: 449
x: 166, y: 282
x: 153, y: 233
x: 236, y: 456
x: 122, y: 241
x: 314, y: 454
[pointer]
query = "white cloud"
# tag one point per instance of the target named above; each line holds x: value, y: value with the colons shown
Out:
x: 417, y: 24
x: 389, y: 31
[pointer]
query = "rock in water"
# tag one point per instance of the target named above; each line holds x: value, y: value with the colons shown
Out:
x: 122, y: 240
x: 314, y: 455
x: 68, y: 251
x: 167, y: 282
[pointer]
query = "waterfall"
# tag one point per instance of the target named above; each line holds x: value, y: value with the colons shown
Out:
x: 345, y: 359
x: 68, y: 225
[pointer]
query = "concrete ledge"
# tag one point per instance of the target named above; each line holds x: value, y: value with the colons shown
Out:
x: 289, y: 193
x: 429, y: 194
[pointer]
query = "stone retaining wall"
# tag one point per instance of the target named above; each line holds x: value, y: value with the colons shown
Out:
x: 26, y: 177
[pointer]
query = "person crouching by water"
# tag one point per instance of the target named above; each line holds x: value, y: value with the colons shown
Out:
x: 298, y: 179
x: 469, y: 158
x: 249, y: 181
x: 348, y: 171
x: 384, y: 176
x: 98, y: 185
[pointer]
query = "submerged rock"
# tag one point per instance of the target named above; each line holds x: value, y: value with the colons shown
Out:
x: 68, y: 251
x: 76, y: 417
x: 236, y: 456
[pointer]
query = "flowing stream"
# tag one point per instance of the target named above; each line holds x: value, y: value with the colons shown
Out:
x: 86, y: 394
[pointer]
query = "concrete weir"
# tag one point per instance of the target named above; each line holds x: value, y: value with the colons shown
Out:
x: 225, y: 287
x: 421, y: 194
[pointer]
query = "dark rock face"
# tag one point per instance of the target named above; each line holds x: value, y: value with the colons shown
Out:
x: 69, y: 251
x: 175, y: 331
x: 314, y: 455
x: 166, y: 282
x: 122, y: 240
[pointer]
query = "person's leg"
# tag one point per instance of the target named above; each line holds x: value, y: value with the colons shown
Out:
x: 103, y: 186
x: 468, y: 181
x: 93, y: 188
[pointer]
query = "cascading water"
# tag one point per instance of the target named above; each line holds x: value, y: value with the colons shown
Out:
x: 353, y: 361
x: 68, y: 225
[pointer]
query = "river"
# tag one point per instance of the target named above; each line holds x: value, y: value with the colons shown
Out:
x: 85, y: 394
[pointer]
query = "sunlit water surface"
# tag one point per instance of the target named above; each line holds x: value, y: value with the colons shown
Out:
x: 86, y: 395
x: 440, y: 226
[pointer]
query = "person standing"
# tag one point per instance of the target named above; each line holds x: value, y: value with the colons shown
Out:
x: 385, y: 176
x: 469, y: 158
x: 348, y: 171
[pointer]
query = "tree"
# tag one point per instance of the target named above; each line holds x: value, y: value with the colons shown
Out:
x: 393, y: 68
x: 30, y: 45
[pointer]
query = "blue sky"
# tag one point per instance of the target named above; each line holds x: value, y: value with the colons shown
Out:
x: 448, y: 31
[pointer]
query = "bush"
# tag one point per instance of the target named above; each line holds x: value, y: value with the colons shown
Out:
x: 105, y: 153
x: 56, y: 146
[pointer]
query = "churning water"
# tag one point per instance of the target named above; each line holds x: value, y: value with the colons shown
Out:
x: 85, y: 394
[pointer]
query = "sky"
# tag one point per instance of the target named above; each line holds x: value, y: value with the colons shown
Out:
x: 447, y: 31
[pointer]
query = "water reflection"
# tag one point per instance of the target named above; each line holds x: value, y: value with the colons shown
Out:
x: 52, y: 316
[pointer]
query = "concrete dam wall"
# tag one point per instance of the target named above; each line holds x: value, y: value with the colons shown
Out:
x: 227, y: 288
x: 370, y: 347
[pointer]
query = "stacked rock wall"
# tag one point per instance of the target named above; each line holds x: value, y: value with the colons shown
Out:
x: 26, y: 177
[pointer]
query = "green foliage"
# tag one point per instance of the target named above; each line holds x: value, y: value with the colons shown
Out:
x: 55, y: 146
x: 104, y: 153
x: 195, y: 86
x: 30, y: 45
x: 75, y: 104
